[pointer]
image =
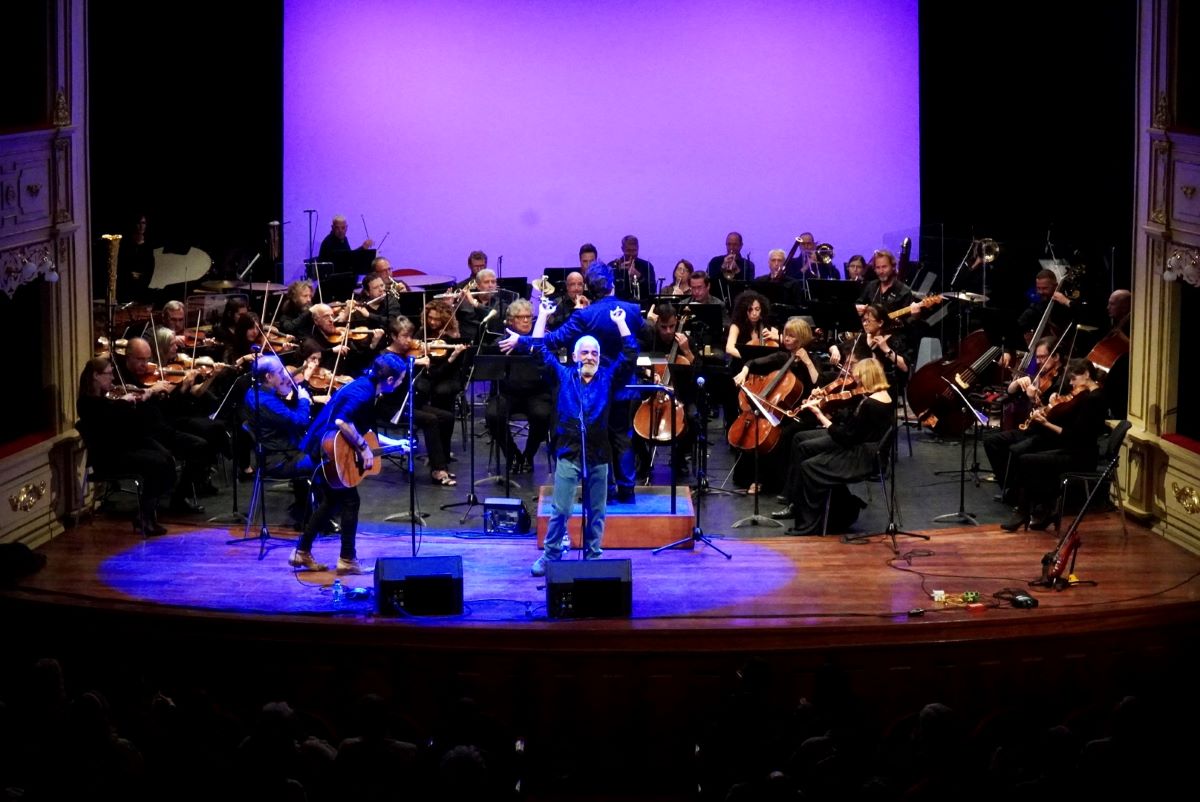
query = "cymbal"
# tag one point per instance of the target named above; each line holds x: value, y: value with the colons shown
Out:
x: 265, y: 286
x: 225, y: 284
x: 969, y: 297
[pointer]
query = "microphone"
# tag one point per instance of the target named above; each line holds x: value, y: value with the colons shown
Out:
x: 700, y: 381
x: 489, y: 316
x: 255, y: 349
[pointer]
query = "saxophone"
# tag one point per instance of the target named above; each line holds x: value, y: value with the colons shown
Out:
x: 114, y: 245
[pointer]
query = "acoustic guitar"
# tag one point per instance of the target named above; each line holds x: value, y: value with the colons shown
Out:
x: 343, y: 464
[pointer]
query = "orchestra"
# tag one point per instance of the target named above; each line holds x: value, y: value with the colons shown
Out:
x: 805, y: 412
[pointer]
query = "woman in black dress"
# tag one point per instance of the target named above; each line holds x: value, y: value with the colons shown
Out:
x: 842, y: 449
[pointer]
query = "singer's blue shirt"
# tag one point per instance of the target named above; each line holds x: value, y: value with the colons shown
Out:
x: 574, y: 395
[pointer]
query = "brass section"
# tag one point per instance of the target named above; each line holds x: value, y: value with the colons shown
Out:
x: 27, y: 497
x: 1187, y: 497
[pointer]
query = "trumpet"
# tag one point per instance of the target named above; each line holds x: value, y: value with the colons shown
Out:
x: 988, y: 250
x: 729, y: 267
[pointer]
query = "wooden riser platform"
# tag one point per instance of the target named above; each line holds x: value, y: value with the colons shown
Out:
x: 645, y: 524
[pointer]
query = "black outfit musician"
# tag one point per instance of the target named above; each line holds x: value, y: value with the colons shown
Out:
x: 1061, y: 313
x: 842, y: 450
x: 336, y: 240
x: 595, y: 320
x: 1064, y: 435
x: 480, y: 310
x: 774, y: 465
x: 349, y: 413
x: 633, y: 277
x: 436, y: 424
x: 656, y: 340
x: 196, y: 453
x: 531, y: 394
x: 729, y: 271
x: 117, y: 430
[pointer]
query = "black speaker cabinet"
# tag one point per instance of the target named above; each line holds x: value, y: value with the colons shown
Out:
x: 419, y: 585
x: 589, y: 589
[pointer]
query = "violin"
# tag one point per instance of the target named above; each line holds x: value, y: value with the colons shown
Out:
x: 197, y: 338
x: 1057, y: 407
x: 829, y: 400
x: 324, y: 379
x: 205, y: 366
x: 434, y: 349
x: 173, y: 373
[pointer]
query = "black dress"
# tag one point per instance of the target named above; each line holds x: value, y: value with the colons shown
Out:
x: 834, y: 456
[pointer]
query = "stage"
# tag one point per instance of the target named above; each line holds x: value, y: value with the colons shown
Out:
x: 851, y: 626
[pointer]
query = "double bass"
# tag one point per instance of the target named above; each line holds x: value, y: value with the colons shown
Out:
x: 779, y: 390
x: 929, y: 394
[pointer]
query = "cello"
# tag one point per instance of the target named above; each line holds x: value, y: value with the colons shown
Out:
x: 652, y: 421
x: 778, y: 390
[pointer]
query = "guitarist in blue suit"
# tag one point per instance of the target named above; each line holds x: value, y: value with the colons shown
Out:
x: 350, y: 410
x: 596, y: 321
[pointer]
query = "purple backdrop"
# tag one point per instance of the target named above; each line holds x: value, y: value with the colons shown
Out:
x: 527, y: 128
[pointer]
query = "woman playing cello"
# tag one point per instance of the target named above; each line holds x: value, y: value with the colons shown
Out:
x: 793, y: 353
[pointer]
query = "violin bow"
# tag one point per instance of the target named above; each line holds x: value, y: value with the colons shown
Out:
x: 196, y: 340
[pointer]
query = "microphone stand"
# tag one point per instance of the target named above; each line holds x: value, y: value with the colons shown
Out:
x: 414, y: 515
x: 583, y: 471
x: 472, y: 499
x: 257, y: 495
x: 962, y: 516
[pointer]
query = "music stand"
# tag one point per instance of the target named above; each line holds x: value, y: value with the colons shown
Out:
x: 833, y: 304
x: 497, y: 368
x: 518, y: 285
x: 962, y: 516
x: 760, y: 410
x: 709, y: 319
x: 356, y: 262
x: 777, y: 292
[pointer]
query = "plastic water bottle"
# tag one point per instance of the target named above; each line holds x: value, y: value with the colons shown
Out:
x: 339, y: 593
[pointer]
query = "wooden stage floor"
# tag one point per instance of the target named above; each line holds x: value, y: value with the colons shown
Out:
x: 771, y: 585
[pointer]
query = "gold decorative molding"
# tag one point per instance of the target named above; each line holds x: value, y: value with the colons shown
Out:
x: 1187, y: 497
x: 27, y: 497
x: 35, y: 189
x: 1183, y: 263
x: 62, y: 179
x: 1160, y: 157
x: 62, y: 111
x: 1162, y: 111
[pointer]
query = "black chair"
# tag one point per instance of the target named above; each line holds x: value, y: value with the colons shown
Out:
x: 1110, y: 459
x: 108, y: 477
x: 879, y: 471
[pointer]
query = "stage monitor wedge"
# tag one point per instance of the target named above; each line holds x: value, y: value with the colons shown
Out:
x: 589, y: 589
x: 419, y: 585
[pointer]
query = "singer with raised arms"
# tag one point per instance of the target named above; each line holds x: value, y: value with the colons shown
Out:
x: 585, y: 396
x: 595, y: 321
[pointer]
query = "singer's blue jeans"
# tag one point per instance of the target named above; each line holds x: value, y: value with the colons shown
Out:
x: 595, y: 500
